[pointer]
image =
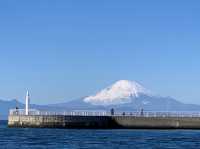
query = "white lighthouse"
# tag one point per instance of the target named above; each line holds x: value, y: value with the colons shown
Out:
x: 27, y: 103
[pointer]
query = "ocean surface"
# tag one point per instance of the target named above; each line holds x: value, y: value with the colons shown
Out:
x: 28, y: 138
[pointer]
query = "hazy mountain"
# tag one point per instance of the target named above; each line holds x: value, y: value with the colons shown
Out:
x: 6, y: 105
x: 127, y: 95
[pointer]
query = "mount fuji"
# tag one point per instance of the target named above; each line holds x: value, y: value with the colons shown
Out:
x: 127, y: 96
x: 121, y: 92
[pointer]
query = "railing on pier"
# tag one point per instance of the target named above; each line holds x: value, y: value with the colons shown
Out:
x: 106, y: 113
x: 72, y: 113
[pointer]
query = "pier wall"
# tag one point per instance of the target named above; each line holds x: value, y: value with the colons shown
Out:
x: 63, y: 121
x: 157, y: 122
x: 59, y: 121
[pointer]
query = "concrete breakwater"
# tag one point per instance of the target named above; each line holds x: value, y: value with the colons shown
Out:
x: 106, y: 122
x: 102, y: 119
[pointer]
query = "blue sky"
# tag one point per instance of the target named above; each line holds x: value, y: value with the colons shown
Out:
x: 63, y: 50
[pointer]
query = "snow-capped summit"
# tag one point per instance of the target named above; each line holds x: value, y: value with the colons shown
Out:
x: 122, y: 91
x: 127, y: 96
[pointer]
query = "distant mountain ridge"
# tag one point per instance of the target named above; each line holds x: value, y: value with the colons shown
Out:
x: 123, y: 95
x: 6, y: 105
x: 127, y: 95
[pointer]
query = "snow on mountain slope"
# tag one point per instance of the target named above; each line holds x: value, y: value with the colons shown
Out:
x: 121, y: 92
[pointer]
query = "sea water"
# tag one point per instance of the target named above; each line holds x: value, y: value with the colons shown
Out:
x: 28, y: 138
